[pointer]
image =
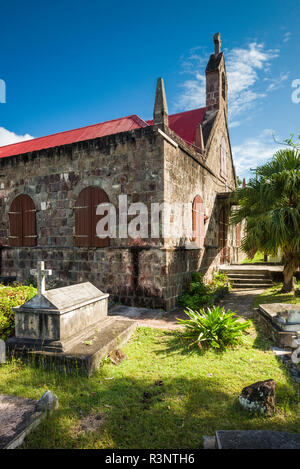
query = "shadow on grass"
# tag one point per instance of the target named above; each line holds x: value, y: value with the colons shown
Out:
x: 273, y: 295
x: 178, y: 343
x: 140, y: 413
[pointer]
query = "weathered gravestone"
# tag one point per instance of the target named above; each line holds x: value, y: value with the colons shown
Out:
x: 281, y: 322
x: 256, y: 439
x: 68, y: 326
x: 2, y: 351
x: 19, y: 416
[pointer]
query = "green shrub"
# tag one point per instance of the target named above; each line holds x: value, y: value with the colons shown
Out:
x: 198, y: 294
x: 213, y: 328
x: 11, y: 296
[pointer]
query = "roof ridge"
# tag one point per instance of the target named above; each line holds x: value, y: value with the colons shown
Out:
x: 134, y: 117
x: 182, y: 112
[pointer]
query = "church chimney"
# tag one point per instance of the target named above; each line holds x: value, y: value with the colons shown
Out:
x: 216, y: 81
x: 160, y: 114
x: 217, y: 42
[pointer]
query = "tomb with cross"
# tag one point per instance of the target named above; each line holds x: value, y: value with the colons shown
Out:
x: 64, y: 323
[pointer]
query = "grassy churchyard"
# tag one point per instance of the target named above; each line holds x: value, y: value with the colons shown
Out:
x: 163, y: 395
x: 273, y: 295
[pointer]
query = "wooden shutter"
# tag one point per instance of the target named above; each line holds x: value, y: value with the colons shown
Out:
x: 198, y: 221
x: 223, y: 228
x: 15, y: 223
x: 82, y: 219
x: 22, y: 217
x: 86, y: 218
x: 98, y: 197
x: 28, y: 221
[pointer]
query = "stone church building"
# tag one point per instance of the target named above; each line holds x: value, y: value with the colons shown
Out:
x: 50, y: 188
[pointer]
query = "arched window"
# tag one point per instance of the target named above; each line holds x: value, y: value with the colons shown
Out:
x: 223, y: 159
x: 224, y: 86
x: 223, y: 234
x: 86, y: 218
x: 22, y: 220
x: 198, y: 221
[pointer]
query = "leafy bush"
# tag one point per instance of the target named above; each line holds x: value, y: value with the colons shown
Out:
x: 213, y: 327
x: 198, y: 294
x: 11, y: 296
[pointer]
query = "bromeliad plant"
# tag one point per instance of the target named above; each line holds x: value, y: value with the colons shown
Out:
x: 213, y: 328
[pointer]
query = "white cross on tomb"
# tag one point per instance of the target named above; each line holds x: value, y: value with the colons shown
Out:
x: 41, y: 274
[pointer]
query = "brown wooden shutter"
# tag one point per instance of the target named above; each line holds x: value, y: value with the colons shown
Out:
x: 223, y: 228
x: 22, y: 218
x: 98, y: 197
x: 29, y: 221
x: 82, y: 219
x: 86, y: 218
x: 15, y: 222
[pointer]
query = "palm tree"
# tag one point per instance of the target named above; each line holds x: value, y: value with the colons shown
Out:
x: 270, y: 203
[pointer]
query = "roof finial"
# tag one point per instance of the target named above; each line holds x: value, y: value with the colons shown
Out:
x: 160, y: 114
x: 217, y: 41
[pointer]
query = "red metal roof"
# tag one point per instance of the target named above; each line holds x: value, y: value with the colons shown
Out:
x: 184, y: 124
x: 115, y: 126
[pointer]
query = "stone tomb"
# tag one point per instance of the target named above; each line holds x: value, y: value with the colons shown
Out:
x: 68, y: 325
x: 281, y: 322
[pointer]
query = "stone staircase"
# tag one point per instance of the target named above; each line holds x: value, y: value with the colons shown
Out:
x: 246, y: 278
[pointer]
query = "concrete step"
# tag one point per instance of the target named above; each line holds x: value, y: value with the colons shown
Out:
x: 246, y: 286
x: 251, y: 280
x: 247, y: 272
x: 248, y: 275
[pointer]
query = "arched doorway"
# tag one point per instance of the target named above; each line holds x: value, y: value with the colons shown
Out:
x: 223, y: 233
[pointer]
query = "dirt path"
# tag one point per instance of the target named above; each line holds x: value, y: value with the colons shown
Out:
x: 241, y: 301
x: 237, y: 300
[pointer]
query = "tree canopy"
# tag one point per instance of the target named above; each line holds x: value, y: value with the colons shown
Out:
x: 270, y: 203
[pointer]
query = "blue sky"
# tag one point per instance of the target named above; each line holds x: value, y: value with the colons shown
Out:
x: 68, y: 64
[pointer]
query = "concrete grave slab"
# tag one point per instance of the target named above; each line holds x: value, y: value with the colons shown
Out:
x: 85, y: 353
x: 256, y: 439
x: 2, y: 351
x: 19, y: 416
x: 275, y: 317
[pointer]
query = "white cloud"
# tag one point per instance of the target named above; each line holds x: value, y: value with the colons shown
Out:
x: 7, y: 137
x: 276, y: 83
x: 287, y: 36
x: 254, y: 151
x: 245, y: 69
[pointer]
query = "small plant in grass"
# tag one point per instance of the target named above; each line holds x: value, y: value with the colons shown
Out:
x: 198, y: 294
x: 213, y: 327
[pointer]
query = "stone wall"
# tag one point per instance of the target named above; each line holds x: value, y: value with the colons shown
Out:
x: 128, y: 163
x: 146, y: 167
x: 188, y: 173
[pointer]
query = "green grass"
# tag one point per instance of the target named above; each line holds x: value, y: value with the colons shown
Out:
x: 273, y: 295
x: 198, y: 395
x: 259, y: 257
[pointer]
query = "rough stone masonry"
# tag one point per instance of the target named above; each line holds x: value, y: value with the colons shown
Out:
x: 174, y: 158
